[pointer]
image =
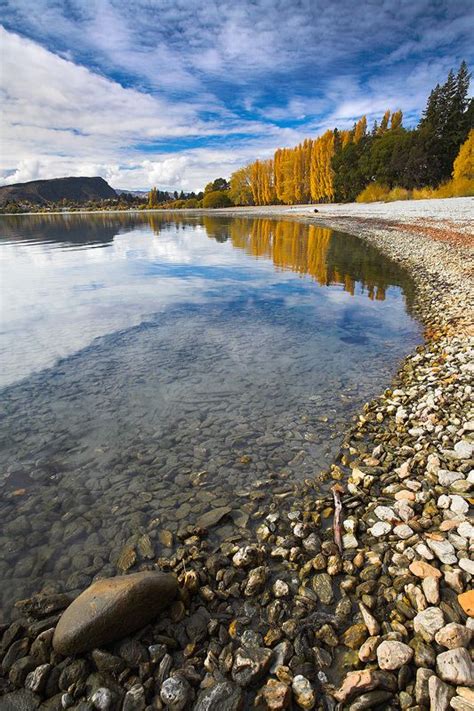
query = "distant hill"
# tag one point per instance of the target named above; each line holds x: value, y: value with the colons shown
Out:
x: 41, y: 192
x: 135, y: 193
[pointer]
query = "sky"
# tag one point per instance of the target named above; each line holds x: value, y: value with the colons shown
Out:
x: 175, y: 93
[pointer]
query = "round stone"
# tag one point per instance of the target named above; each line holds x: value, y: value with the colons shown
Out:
x: 393, y: 655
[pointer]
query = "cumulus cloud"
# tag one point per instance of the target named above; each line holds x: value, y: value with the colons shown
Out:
x: 147, y: 90
x: 60, y: 118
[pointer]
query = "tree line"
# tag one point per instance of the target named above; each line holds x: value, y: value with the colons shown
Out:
x: 385, y: 161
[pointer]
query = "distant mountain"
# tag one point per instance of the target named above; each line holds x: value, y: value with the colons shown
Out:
x: 135, y: 193
x: 42, y: 192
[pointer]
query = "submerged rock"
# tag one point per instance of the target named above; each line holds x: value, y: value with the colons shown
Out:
x: 111, y: 609
x: 211, y: 518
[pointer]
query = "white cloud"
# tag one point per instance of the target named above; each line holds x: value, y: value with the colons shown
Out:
x: 57, y: 116
x: 203, y: 74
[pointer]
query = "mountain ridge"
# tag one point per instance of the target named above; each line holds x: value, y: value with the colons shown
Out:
x: 42, y: 192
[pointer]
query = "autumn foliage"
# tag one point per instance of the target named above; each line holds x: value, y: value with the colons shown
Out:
x: 387, y: 162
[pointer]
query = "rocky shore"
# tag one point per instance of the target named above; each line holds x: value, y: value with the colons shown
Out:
x: 358, y: 599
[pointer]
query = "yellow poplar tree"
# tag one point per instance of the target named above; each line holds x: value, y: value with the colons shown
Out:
x: 384, y: 122
x: 261, y: 182
x: 464, y: 164
x: 396, y: 120
x: 322, y: 174
x: 360, y: 129
x: 346, y: 137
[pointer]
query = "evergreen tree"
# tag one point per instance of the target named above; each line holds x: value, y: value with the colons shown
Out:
x: 444, y: 126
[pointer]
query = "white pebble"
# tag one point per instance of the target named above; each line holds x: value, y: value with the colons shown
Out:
x: 381, y: 528
x: 467, y: 565
x: 458, y: 504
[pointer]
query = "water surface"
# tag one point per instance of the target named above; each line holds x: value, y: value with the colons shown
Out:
x: 155, y: 367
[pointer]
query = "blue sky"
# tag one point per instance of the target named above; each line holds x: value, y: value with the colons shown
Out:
x: 174, y: 93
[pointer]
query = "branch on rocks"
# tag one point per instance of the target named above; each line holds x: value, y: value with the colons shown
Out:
x: 337, y: 490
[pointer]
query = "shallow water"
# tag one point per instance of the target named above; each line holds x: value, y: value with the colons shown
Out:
x: 155, y: 367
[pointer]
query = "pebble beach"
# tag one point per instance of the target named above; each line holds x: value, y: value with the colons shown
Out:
x: 353, y: 599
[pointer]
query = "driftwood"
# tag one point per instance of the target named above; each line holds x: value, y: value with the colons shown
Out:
x: 337, y: 490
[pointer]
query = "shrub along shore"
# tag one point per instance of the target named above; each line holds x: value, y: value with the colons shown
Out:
x: 370, y: 606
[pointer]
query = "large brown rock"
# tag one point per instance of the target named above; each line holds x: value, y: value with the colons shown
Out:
x: 111, y: 609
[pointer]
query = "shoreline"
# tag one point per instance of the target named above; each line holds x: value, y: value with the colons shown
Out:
x: 297, y: 623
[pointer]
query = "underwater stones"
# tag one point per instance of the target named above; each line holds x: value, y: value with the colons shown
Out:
x: 127, y: 558
x: 112, y: 608
x: 166, y: 538
x: 41, y: 606
x: 102, y: 699
x: 36, y: 679
x: 213, y: 517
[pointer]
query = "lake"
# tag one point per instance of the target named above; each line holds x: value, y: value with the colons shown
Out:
x: 156, y: 367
